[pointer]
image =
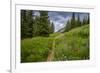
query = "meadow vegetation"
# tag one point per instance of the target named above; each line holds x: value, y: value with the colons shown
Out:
x: 73, y: 45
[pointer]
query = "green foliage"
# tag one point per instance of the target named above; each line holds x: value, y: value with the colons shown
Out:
x: 44, y: 24
x: 35, y: 49
x: 40, y: 40
x: 73, y: 22
x: 52, y: 28
x: 23, y: 25
x: 55, y: 34
x: 86, y: 20
x: 78, y: 22
x: 74, y: 45
x: 40, y: 26
x: 26, y: 23
x: 68, y: 26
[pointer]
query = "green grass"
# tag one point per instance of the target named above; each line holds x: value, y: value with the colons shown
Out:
x: 55, y: 34
x: 72, y: 45
x: 35, y: 49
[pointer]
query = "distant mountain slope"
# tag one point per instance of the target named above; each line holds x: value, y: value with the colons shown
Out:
x: 61, y: 30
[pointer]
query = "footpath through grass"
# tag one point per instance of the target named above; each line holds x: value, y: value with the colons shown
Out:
x: 35, y: 49
x: 72, y: 45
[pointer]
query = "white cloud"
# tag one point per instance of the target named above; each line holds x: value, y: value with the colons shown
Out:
x: 60, y: 22
x: 61, y: 25
x: 36, y: 13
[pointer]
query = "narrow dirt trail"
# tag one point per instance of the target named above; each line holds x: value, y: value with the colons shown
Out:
x: 51, y: 54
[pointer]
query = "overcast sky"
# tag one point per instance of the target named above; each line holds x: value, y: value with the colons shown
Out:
x: 59, y: 19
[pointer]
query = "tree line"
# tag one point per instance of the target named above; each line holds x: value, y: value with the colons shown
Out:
x: 32, y: 26
x: 73, y: 22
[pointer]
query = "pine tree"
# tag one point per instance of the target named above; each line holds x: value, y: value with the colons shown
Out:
x: 23, y: 24
x: 68, y: 26
x: 29, y: 21
x: 44, y: 24
x: 26, y: 23
x: 78, y: 21
x: 52, y: 27
x: 73, y: 21
x: 36, y: 27
x: 88, y: 19
x: 84, y: 21
x: 41, y: 26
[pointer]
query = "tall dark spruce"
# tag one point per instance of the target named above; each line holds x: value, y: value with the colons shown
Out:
x: 78, y: 20
x: 26, y: 23
x: 23, y: 24
x: 73, y: 21
x: 42, y: 24
x: 52, y: 28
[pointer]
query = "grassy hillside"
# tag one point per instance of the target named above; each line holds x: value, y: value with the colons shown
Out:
x: 35, y: 49
x: 72, y: 45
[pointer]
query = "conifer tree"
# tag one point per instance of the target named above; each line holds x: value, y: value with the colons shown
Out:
x: 78, y: 21
x: 73, y: 21
x: 88, y: 19
x: 52, y: 27
x: 44, y: 24
x: 29, y: 21
x: 23, y: 24
x: 68, y: 26
x: 26, y: 23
